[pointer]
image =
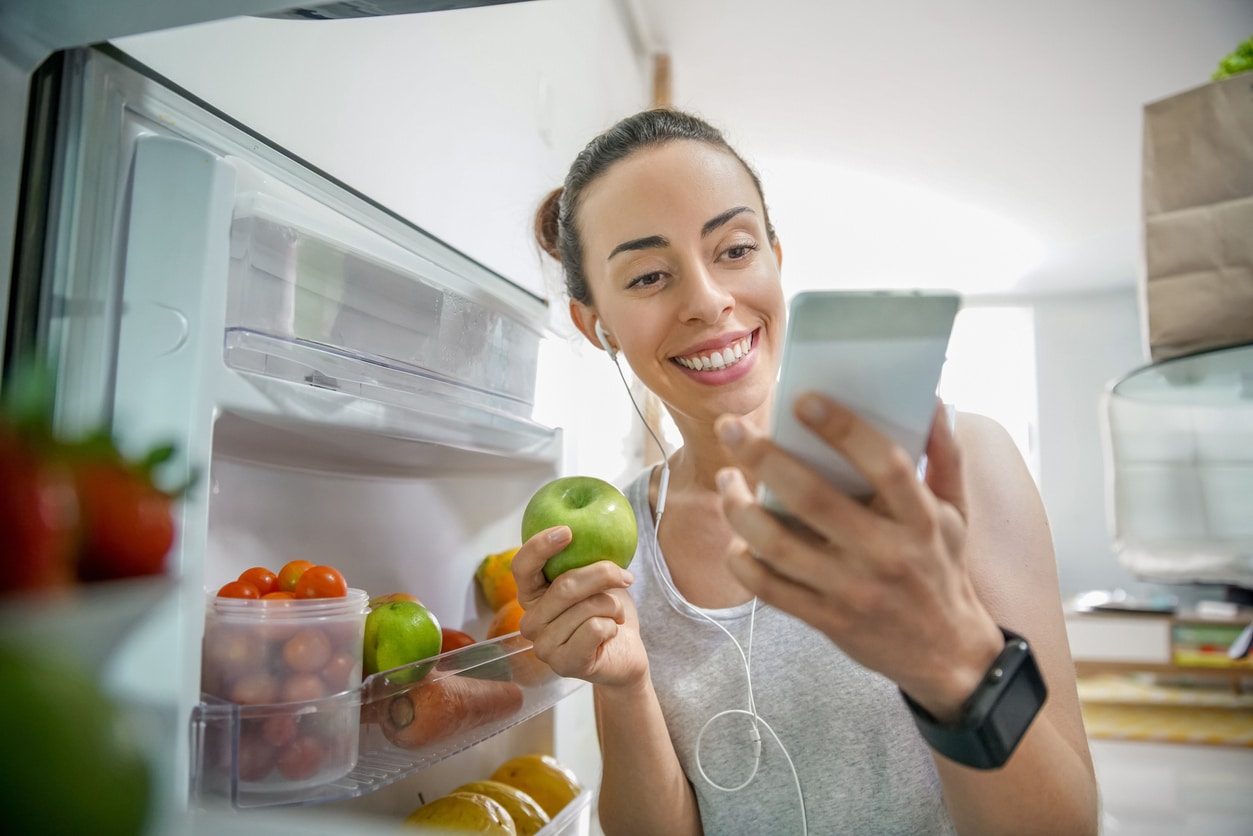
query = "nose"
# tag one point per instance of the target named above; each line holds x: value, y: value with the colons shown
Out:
x: 705, y: 299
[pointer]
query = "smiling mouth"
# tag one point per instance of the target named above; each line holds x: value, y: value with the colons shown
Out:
x: 715, y: 360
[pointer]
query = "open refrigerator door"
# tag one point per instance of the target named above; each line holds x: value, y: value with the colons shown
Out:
x: 355, y: 393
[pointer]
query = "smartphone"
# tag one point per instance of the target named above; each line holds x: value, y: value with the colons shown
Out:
x: 878, y: 353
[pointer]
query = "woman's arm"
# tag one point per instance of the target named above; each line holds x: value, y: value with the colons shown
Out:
x: 1048, y: 786
x: 584, y: 624
x: 913, y: 585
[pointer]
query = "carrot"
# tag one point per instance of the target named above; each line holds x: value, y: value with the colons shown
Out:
x: 436, y: 710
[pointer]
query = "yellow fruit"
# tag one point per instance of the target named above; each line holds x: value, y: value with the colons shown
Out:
x: 528, y: 817
x: 541, y: 777
x: 400, y: 633
x: 495, y: 578
x: 463, y: 812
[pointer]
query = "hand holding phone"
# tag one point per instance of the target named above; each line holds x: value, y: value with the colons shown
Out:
x: 879, y: 353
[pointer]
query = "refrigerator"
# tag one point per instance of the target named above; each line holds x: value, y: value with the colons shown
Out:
x: 350, y: 389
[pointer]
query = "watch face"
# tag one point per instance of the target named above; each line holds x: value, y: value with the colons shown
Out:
x: 1019, y: 702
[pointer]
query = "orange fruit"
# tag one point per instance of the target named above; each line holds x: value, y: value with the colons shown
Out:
x: 506, y: 620
x: 495, y: 578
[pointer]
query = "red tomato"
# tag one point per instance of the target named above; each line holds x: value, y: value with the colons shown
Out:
x: 321, y: 582
x: 291, y: 572
x: 238, y: 589
x: 340, y: 670
x: 301, y: 758
x: 454, y: 640
x: 256, y: 758
x: 262, y: 578
x: 307, y: 651
x: 278, y: 596
x: 303, y: 686
x: 38, y: 519
x: 127, y: 524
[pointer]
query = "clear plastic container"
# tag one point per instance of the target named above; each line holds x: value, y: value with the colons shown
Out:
x: 292, y: 670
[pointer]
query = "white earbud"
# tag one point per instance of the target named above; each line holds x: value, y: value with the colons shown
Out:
x: 604, y: 341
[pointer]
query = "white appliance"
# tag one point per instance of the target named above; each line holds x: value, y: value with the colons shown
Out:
x: 355, y: 391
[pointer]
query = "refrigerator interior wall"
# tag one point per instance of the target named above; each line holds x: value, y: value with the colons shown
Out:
x: 358, y: 393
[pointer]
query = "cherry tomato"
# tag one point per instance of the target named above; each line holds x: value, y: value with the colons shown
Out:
x: 454, y: 640
x: 291, y: 572
x: 303, y: 686
x: 339, y: 671
x: 301, y: 758
x: 262, y: 578
x: 255, y: 688
x: 280, y: 729
x: 321, y: 582
x: 238, y: 589
x: 307, y: 651
x: 278, y: 596
x: 256, y: 758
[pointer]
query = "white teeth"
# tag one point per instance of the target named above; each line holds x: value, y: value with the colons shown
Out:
x: 729, y: 356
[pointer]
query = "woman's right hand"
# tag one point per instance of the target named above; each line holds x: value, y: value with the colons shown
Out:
x: 583, y: 624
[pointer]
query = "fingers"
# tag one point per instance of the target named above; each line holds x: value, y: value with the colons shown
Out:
x: 944, y: 467
x: 888, y: 469
x: 574, y: 636
x: 787, y: 547
x: 567, y: 595
x: 528, y: 563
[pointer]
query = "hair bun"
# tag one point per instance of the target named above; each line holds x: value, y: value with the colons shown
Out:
x: 546, y: 224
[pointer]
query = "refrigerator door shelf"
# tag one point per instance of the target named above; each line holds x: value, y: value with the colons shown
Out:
x: 303, y: 272
x: 411, y: 718
x: 309, y: 407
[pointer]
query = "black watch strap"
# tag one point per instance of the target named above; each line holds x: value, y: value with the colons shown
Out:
x: 996, y: 716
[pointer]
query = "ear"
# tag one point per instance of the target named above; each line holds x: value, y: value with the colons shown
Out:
x: 584, y: 318
x: 778, y: 251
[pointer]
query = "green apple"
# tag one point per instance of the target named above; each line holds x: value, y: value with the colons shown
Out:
x: 399, y: 633
x: 600, y: 519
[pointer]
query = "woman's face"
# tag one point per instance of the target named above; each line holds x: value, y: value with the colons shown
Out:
x: 684, y: 278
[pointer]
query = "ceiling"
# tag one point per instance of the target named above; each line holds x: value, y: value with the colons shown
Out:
x: 978, y: 144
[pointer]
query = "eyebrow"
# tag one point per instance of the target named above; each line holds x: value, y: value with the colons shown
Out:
x: 652, y: 242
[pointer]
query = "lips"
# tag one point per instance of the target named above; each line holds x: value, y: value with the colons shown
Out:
x: 718, y: 359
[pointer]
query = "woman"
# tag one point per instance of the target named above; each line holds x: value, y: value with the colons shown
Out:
x: 749, y: 677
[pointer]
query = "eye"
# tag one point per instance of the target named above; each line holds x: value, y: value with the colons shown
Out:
x: 738, y: 252
x: 647, y: 280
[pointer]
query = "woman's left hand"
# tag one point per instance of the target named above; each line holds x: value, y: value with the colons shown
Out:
x: 886, y: 580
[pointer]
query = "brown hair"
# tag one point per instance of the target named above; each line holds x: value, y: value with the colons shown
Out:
x: 556, y: 231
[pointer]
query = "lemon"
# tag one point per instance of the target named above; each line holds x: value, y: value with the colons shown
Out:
x: 528, y: 817
x: 541, y: 777
x: 400, y: 633
x: 464, y: 812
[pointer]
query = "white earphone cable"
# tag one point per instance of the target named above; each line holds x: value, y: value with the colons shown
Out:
x: 659, y: 572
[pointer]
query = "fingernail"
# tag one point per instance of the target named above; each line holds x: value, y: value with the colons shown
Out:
x: 723, y: 478
x: 811, y: 408
x: 560, y: 534
x: 730, y: 430
x: 627, y: 577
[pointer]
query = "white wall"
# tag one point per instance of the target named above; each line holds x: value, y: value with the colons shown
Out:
x: 461, y: 121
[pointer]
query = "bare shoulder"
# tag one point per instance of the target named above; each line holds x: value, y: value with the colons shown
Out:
x: 1010, y: 544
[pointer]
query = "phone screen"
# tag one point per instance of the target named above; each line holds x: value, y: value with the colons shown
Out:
x: 879, y: 353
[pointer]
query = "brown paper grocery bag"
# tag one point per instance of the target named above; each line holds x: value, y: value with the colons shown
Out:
x: 1198, y: 219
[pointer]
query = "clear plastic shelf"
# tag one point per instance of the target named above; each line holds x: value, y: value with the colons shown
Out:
x: 409, y: 718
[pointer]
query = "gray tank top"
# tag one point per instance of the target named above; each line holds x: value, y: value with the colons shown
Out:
x: 862, y: 766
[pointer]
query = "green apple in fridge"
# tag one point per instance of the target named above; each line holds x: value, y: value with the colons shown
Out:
x: 599, y: 516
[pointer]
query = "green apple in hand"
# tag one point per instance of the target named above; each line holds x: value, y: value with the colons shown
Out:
x: 600, y: 519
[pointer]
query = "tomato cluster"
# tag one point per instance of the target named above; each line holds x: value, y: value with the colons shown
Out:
x: 74, y: 509
x: 298, y: 579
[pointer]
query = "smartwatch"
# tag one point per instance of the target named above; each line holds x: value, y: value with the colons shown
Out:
x: 995, y: 717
